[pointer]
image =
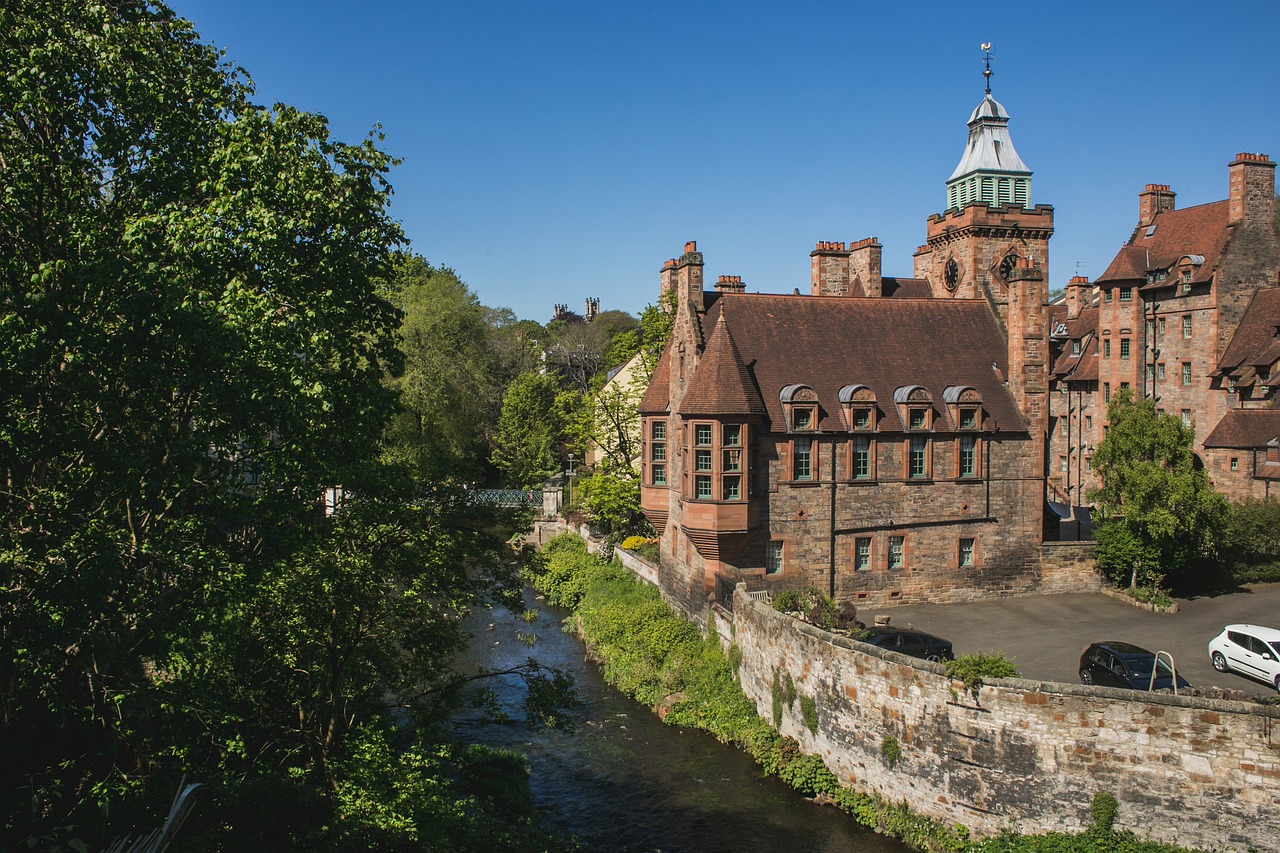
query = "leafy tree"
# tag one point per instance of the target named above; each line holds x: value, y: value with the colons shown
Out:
x: 655, y: 327
x: 195, y: 347
x: 611, y: 503
x: 1157, y: 508
x: 530, y: 430
x: 451, y: 387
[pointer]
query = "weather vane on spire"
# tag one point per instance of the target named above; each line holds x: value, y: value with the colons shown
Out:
x: 986, y: 61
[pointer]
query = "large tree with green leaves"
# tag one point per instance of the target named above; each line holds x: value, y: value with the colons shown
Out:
x: 195, y: 348
x: 1156, y: 508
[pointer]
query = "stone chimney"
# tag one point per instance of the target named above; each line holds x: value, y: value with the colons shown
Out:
x: 1076, y: 294
x: 829, y: 269
x: 689, y: 275
x: 730, y: 284
x: 1028, y: 345
x: 1156, y: 198
x: 864, y: 266
x: 1253, y: 189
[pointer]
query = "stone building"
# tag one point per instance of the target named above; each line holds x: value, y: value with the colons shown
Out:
x: 881, y: 439
x: 1188, y: 315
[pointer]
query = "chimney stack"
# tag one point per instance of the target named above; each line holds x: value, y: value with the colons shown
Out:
x: 1156, y: 198
x: 730, y: 284
x: 1253, y: 189
x: 864, y: 266
x: 1075, y: 293
x: 829, y: 269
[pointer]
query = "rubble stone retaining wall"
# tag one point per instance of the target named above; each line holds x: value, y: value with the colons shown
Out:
x: 1018, y: 754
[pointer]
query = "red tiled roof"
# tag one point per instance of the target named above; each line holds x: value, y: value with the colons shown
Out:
x: 1245, y: 428
x: 886, y: 344
x: 657, y: 397
x: 1200, y: 230
x: 1254, y: 340
x: 721, y: 385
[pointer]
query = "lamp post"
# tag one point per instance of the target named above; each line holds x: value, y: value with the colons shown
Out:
x: 570, y: 478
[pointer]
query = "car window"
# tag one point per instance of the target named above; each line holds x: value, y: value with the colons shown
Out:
x: 1239, y: 639
x: 1258, y: 647
x: 1275, y: 648
x: 912, y: 640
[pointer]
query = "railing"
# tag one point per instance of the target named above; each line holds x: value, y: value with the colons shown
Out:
x: 507, y: 497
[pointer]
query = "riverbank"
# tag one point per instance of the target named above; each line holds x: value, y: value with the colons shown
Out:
x: 662, y: 660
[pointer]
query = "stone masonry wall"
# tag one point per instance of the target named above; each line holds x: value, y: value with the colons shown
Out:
x: 1019, y: 754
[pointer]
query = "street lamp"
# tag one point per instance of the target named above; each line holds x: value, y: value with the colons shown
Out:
x: 570, y: 478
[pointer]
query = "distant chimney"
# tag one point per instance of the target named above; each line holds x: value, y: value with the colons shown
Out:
x: 1253, y: 189
x: 864, y: 266
x: 730, y: 284
x: 829, y: 269
x: 1156, y: 198
x: 1075, y: 293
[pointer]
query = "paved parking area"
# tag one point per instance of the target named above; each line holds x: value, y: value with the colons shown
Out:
x: 1044, y: 635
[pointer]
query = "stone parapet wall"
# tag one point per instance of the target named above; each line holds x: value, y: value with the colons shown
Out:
x: 1019, y: 754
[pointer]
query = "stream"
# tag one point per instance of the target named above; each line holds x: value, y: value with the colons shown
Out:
x: 622, y: 780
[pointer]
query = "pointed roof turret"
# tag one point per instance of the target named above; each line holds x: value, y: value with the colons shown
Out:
x: 722, y: 385
x: 990, y: 171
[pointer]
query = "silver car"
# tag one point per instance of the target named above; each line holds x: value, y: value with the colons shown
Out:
x: 1250, y: 650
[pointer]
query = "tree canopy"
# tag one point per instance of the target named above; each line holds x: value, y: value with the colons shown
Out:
x: 1156, y: 507
x: 197, y: 345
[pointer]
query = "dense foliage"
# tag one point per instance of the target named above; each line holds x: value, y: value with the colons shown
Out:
x: 1157, y: 510
x: 198, y: 348
x: 660, y: 659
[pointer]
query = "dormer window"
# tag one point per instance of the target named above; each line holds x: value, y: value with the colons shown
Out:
x: 968, y: 419
x: 915, y: 407
x: 964, y: 403
x: 859, y: 405
x: 800, y: 406
x: 1126, y: 294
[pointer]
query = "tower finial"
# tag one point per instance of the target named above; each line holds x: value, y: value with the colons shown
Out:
x: 986, y: 61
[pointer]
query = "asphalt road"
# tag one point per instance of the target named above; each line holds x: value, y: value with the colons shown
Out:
x: 1044, y: 635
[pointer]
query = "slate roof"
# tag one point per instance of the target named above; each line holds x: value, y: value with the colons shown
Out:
x: 1200, y: 230
x: 886, y: 344
x: 1245, y: 428
x: 1254, y: 343
x: 912, y: 288
x: 1082, y: 367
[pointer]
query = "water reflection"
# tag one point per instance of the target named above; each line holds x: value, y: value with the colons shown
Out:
x: 624, y: 781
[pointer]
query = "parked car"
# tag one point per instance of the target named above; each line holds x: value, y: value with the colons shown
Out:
x: 907, y: 641
x: 1119, y: 664
x: 1250, y: 650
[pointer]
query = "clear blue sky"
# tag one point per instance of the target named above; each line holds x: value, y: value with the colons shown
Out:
x: 559, y: 150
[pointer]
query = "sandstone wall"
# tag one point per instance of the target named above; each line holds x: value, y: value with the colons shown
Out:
x: 1019, y: 754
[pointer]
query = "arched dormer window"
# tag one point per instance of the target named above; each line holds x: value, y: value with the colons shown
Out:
x: 800, y: 407
x: 858, y: 402
x: 964, y: 405
x: 915, y: 407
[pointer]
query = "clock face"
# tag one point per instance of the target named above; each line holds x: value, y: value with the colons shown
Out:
x: 1006, y: 266
x: 951, y: 274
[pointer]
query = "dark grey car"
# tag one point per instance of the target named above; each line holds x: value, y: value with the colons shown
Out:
x: 1119, y: 664
x: 907, y: 641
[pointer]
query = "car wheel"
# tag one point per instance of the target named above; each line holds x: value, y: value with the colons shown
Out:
x: 1219, y: 662
x: 1278, y: 683
x: 1086, y: 677
x: 935, y: 657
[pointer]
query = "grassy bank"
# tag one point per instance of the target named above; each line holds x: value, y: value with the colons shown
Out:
x: 660, y: 659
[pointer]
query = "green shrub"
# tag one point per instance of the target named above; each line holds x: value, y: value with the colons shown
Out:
x: 1104, y: 809
x: 891, y: 750
x: 809, y: 711
x: 973, y: 669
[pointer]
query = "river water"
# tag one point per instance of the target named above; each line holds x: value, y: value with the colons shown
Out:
x: 624, y: 782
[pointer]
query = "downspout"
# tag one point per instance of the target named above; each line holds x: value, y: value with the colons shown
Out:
x: 986, y: 474
x: 831, y: 545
